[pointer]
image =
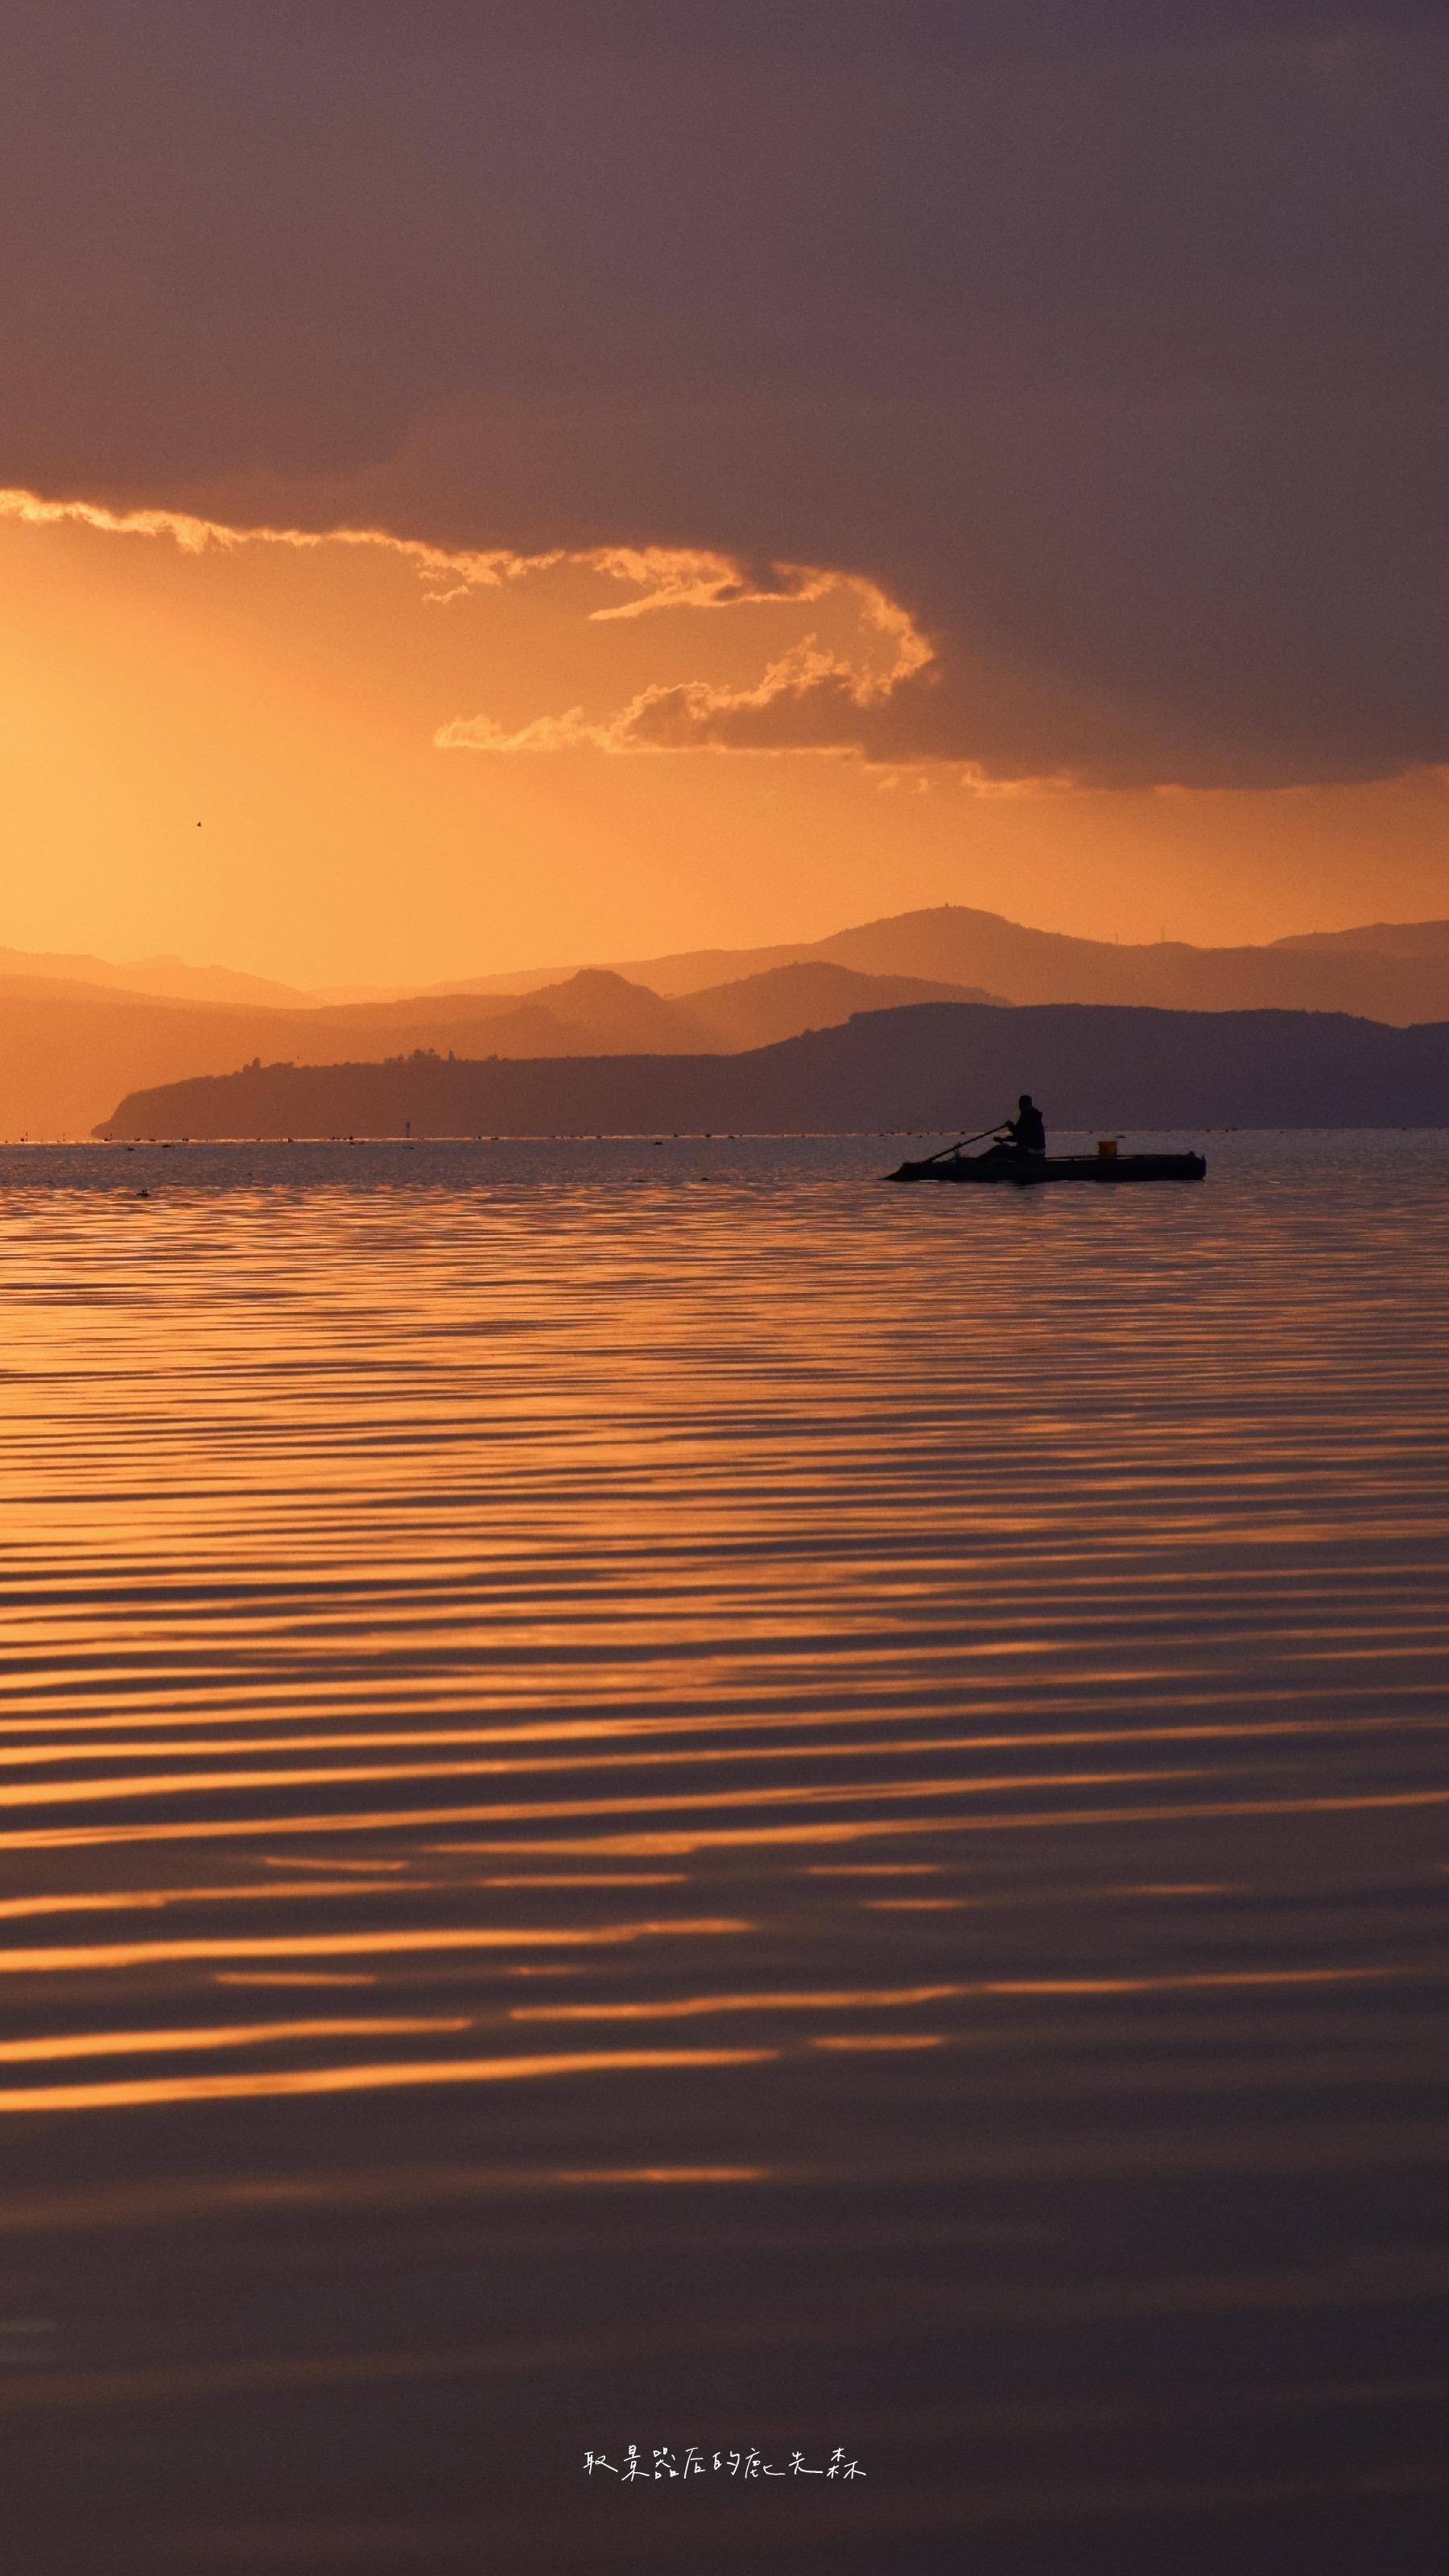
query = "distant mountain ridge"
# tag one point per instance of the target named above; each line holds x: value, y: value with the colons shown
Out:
x: 786, y: 1001
x: 71, y: 1046
x: 931, y: 1066
x: 1394, y: 971
x: 1420, y: 939
x: 172, y: 979
x: 69, y: 1049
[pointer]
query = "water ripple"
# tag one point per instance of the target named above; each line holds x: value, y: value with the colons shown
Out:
x: 986, y: 1661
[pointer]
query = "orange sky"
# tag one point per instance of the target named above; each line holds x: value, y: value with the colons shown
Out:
x: 288, y: 698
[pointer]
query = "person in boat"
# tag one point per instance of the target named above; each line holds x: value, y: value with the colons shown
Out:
x: 1023, y: 1134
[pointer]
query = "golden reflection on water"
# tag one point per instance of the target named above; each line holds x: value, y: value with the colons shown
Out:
x: 326, y: 1945
x: 1032, y: 1619
x: 257, y: 2085
x: 864, y: 2040
x: 128, y: 2043
x: 296, y: 1977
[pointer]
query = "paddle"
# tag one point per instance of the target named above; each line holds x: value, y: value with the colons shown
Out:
x: 960, y: 1141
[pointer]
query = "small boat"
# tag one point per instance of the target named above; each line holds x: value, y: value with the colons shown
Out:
x: 1029, y: 1171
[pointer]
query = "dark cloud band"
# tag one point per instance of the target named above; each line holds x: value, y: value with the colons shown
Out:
x: 1105, y: 339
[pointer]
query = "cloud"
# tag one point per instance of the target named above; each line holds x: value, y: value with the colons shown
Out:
x: 805, y: 701
x: 1102, y: 345
x: 810, y: 699
x: 195, y: 535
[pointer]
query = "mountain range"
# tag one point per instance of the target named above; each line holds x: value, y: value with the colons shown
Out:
x: 171, y: 979
x: 1394, y: 971
x: 931, y: 1066
x: 69, y: 1050
x: 77, y: 1034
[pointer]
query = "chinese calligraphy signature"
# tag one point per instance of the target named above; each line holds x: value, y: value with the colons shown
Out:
x: 694, y: 2463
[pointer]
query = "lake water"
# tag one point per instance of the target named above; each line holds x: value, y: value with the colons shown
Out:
x: 654, y: 1795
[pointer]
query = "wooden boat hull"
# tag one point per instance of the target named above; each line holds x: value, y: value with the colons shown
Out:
x: 1030, y: 1171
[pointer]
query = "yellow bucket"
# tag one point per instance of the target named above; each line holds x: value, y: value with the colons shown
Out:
x: 1106, y: 1148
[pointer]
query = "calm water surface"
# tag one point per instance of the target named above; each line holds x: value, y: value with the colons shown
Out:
x: 653, y: 1795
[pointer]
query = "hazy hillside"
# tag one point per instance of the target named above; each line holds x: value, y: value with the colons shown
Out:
x: 690, y: 972
x: 936, y: 1066
x: 69, y: 1050
x: 609, y: 1013
x: 1046, y: 966
x: 786, y: 1000
x: 171, y: 979
x: 1396, y: 971
x: 1411, y: 939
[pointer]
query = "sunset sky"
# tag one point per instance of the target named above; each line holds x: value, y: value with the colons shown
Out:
x: 484, y: 486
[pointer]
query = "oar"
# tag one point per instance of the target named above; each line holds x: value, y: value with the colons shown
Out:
x: 907, y: 1169
x: 960, y: 1141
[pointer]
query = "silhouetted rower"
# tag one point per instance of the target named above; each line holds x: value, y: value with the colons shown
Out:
x: 1026, y: 1132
